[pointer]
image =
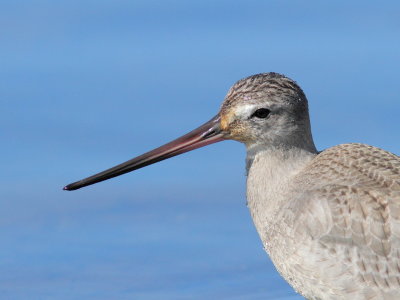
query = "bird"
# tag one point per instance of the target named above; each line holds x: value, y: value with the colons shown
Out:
x: 329, y: 220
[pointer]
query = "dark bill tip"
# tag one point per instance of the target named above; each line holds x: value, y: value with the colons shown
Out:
x: 69, y: 187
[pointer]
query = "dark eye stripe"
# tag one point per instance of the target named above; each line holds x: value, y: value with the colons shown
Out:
x: 261, y: 113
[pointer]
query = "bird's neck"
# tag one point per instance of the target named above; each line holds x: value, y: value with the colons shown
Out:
x: 276, y: 164
x: 280, y: 153
x: 270, y: 175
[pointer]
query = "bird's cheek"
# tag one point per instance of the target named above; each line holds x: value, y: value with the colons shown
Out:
x: 239, y: 133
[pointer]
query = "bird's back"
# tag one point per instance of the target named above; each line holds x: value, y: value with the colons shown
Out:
x: 345, y: 213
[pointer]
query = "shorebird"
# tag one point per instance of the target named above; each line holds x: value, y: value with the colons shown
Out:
x: 329, y: 220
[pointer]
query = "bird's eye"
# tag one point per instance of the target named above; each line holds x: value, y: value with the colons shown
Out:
x: 261, y: 113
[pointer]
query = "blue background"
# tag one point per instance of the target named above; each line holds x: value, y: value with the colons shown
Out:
x: 88, y: 84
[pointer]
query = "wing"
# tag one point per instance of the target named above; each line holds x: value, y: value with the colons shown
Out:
x: 354, y: 215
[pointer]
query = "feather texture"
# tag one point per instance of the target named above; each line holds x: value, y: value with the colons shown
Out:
x: 333, y: 221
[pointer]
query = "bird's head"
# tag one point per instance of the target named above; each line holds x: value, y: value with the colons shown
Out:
x: 266, y: 108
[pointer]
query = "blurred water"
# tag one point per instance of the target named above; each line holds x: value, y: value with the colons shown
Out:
x: 88, y: 84
x: 147, y: 249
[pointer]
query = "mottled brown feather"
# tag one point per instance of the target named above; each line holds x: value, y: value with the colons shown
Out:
x: 359, y: 187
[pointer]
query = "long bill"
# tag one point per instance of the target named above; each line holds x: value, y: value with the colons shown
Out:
x: 206, y: 134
